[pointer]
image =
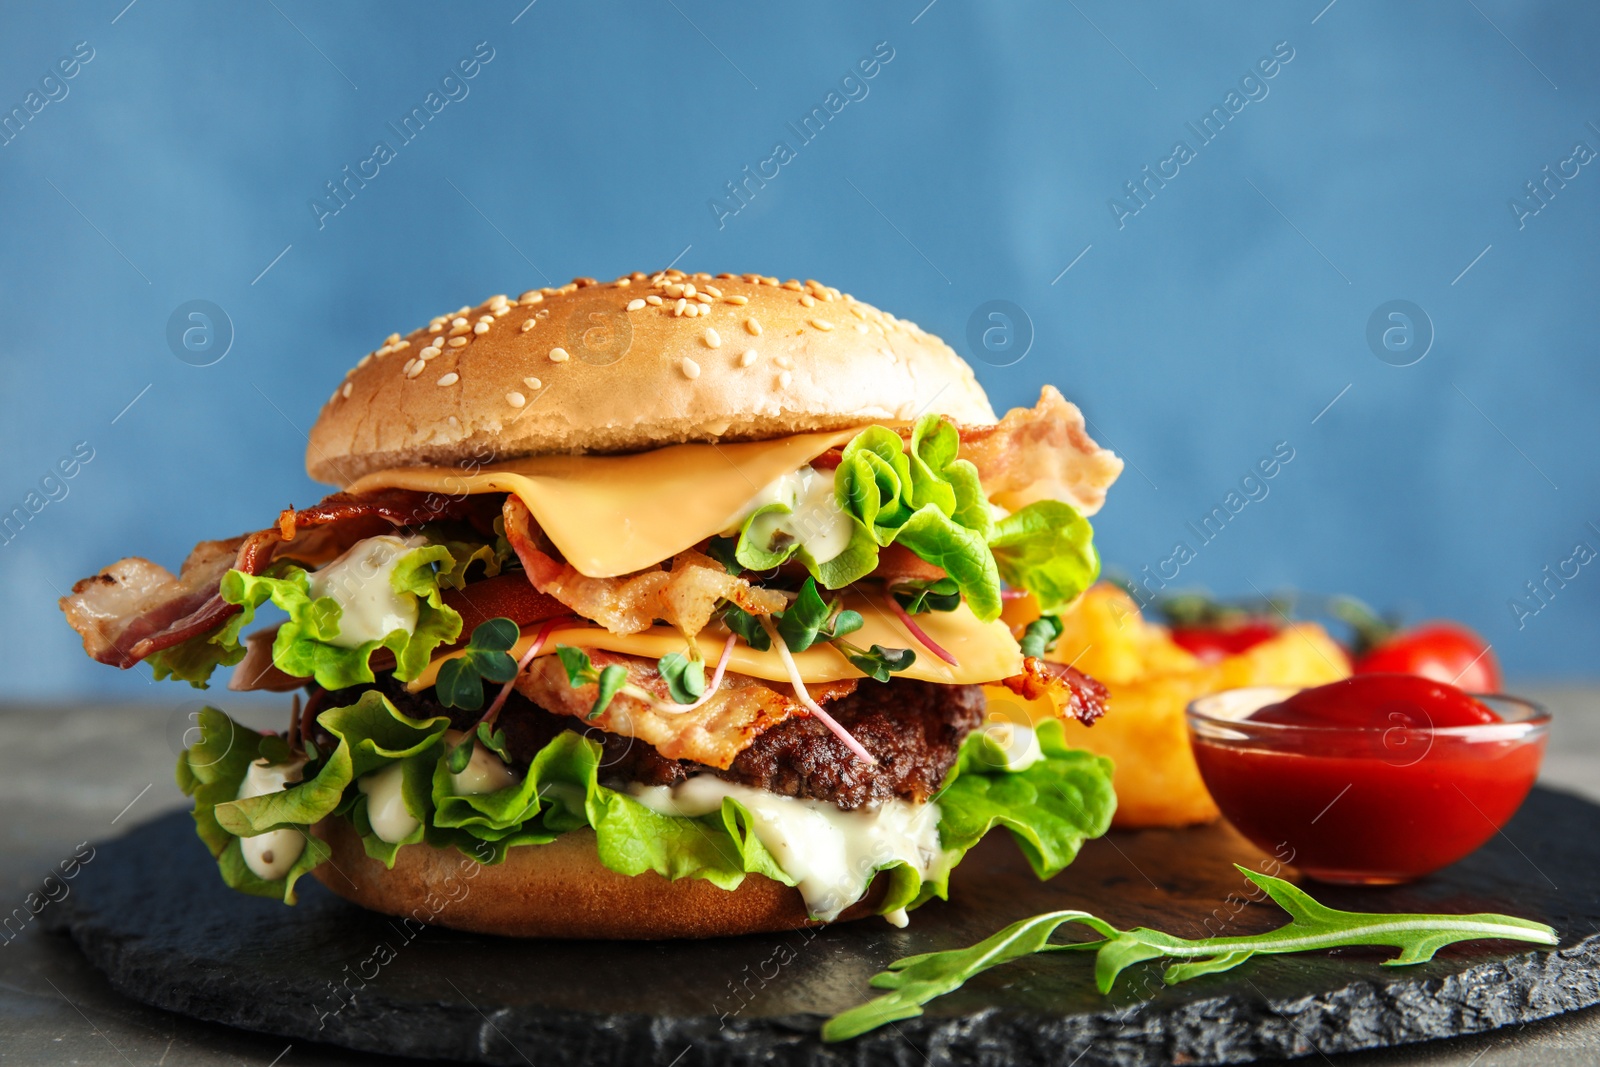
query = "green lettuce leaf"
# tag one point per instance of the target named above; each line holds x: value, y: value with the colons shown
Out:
x: 1048, y: 549
x: 211, y: 770
x: 1051, y: 808
x: 304, y: 646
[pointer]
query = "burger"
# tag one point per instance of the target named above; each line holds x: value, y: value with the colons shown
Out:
x: 674, y: 606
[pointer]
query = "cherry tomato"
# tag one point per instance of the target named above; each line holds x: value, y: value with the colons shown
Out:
x: 1444, y: 651
x: 1379, y: 700
x: 1216, y: 642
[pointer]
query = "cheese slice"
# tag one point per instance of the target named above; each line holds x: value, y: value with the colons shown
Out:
x: 984, y: 651
x: 612, y: 515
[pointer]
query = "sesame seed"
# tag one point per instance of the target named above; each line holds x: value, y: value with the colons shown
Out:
x: 532, y: 296
x: 752, y: 327
x: 861, y: 327
x: 792, y: 284
x: 690, y: 310
x: 784, y: 361
x: 677, y: 308
x: 365, y: 360
x: 705, y: 298
x: 690, y: 368
x: 415, y: 368
x: 713, y: 339
x: 747, y: 357
x: 623, y: 283
x: 449, y: 379
x: 485, y: 318
x: 457, y: 342
x: 457, y: 331
x: 716, y: 293
x: 391, y: 339
x: 430, y: 352
x: 482, y: 327
x: 528, y: 324
x: 459, y: 321
x: 688, y: 289
x: 398, y: 345
x: 346, y: 390
x: 635, y: 305
x: 516, y: 400
x: 559, y: 355
x: 784, y: 379
x: 673, y: 289
x: 821, y: 324
x: 436, y: 327
x: 654, y: 301
x: 532, y: 383
x: 741, y: 300
x: 498, y: 298
x: 807, y: 300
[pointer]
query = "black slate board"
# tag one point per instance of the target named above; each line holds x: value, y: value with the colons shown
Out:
x: 151, y: 913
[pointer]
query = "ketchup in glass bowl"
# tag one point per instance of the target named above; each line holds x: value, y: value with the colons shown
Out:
x: 1373, y: 780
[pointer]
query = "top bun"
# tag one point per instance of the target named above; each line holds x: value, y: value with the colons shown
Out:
x: 638, y: 363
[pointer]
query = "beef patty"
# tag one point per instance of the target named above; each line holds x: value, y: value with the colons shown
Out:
x: 912, y: 728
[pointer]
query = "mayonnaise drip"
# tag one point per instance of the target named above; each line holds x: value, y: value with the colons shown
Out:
x: 386, y: 804
x: 484, y: 773
x: 358, y: 581
x: 830, y: 853
x: 270, y: 855
x: 815, y: 519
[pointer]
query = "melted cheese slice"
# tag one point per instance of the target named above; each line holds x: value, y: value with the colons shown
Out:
x: 612, y: 515
x: 985, y: 651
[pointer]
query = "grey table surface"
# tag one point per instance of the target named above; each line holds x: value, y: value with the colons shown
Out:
x: 70, y: 774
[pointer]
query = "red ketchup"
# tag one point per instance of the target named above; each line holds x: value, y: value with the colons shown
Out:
x: 1376, y: 779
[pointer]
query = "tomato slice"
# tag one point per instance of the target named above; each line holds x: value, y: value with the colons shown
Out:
x: 509, y: 596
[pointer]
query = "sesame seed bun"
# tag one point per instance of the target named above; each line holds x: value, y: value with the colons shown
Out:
x: 626, y: 366
x: 557, y: 890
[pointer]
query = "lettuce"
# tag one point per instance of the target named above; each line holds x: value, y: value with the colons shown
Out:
x: 211, y: 770
x: 304, y: 646
x: 1048, y: 549
x: 1050, y: 808
x: 919, y: 494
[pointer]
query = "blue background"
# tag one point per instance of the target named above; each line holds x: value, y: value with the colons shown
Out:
x: 1220, y: 319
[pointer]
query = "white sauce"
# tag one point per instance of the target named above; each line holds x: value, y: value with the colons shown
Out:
x: 1017, y: 740
x: 270, y: 855
x: 830, y: 853
x: 386, y: 807
x: 485, y: 772
x: 815, y: 519
x: 358, y: 581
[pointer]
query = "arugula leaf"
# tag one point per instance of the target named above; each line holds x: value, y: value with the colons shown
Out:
x: 747, y: 626
x: 942, y: 594
x: 685, y: 677
x: 581, y: 671
x: 486, y: 657
x: 1048, y: 549
x: 878, y: 662
x: 918, y: 979
x: 1041, y: 634
x: 810, y: 619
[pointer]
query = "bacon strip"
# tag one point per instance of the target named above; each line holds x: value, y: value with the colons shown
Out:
x: 685, y: 596
x: 1073, y: 693
x: 134, y: 608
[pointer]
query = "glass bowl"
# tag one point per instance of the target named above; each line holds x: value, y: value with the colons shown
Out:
x: 1365, y: 805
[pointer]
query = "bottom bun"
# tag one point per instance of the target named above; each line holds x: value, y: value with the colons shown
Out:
x: 558, y: 890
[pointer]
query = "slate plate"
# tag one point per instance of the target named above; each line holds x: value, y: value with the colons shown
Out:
x: 151, y: 913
